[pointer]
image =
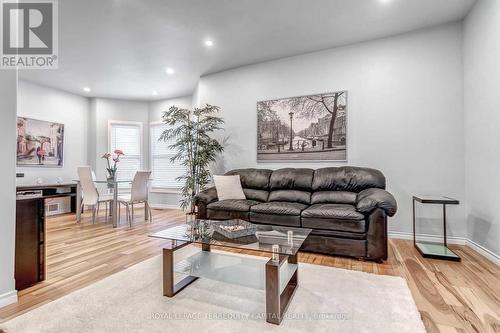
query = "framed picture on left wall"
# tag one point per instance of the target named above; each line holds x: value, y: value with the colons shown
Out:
x: 40, y: 143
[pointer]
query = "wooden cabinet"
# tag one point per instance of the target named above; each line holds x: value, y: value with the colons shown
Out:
x: 30, y: 242
x: 30, y: 229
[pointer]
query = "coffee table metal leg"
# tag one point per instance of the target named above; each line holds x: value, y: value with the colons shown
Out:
x: 170, y: 288
x: 444, y: 225
x: 276, y: 302
x: 414, y: 232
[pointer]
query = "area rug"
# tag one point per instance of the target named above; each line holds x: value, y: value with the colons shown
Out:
x: 327, y: 300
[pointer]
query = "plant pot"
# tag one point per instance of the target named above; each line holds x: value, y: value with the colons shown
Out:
x: 190, y: 218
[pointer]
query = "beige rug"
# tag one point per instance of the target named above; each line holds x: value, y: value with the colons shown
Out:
x: 327, y: 300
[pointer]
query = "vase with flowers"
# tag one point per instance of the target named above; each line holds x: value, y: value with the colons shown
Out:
x: 112, y: 168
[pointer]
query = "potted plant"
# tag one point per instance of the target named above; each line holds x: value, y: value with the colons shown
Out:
x: 191, y: 132
x: 112, y: 168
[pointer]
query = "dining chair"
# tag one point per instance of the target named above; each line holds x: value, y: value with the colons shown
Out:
x: 138, y: 194
x: 90, y: 195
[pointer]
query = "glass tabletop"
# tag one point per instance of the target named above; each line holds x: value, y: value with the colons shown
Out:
x: 116, y: 181
x: 105, y: 181
x: 441, y: 199
x: 238, y: 234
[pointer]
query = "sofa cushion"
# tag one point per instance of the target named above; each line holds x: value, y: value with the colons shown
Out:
x: 352, y: 179
x: 290, y: 196
x: 255, y: 182
x: 254, y: 194
x: 333, y: 211
x: 291, y: 179
x: 279, y: 208
x: 339, y: 217
x: 253, y: 178
x: 232, y: 205
x: 275, y: 219
x: 338, y: 197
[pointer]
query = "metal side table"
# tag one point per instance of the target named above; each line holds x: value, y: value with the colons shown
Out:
x: 434, y: 250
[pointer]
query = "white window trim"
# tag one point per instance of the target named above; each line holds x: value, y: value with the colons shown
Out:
x: 158, y: 189
x: 166, y: 190
x: 141, y: 136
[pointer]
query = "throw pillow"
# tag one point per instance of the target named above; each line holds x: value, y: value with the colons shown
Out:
x: 229, y: 187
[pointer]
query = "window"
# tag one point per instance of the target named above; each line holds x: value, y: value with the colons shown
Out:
x: 126, y: 136
x: 164, y: 171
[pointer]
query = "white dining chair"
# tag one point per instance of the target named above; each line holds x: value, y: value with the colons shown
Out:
x: 138, y: 194
x: 90, y: 195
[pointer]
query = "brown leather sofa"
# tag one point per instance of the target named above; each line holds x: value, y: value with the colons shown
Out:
x: 346, y: 207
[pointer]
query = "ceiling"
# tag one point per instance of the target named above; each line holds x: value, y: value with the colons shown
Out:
x: 120, y: 48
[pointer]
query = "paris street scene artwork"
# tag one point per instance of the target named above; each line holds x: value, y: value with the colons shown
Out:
x: 303, y: 128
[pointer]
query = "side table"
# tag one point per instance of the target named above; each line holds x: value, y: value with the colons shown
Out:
x: 434, y: 250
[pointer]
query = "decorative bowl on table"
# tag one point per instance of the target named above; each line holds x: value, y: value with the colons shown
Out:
x: 234, y: 228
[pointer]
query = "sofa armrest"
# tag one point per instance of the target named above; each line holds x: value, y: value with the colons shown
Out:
x: 202, y: 199
x: 206, y: 196
x: 373, y: 198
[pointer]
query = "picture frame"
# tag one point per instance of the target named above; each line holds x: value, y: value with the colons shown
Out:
x: 301, y: 129
x: 40, y: 143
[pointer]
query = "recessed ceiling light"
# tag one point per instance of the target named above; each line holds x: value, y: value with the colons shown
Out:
x: 86, y: 89
x: 209, y: 43
x: 169, y: 71
x: 384, y: 1
x: 154, y: 93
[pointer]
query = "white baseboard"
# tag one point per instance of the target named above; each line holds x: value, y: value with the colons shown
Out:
x: 484, y: 251
x: 427, y: 237
x: 163, y: 206
x: 8, y: 298
x: 451, y: 240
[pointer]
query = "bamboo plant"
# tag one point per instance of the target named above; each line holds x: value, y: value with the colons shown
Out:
x: 191, y: 131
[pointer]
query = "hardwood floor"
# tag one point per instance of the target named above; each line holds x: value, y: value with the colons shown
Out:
x: 451, y: 297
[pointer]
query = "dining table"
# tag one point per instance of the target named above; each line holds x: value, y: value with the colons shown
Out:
x: 113, y: 187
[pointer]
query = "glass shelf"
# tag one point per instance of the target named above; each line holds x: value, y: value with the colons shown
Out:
x: 436, y: 251
x: 244, y: 271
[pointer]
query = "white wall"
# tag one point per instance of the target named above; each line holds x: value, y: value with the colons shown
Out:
x: 482, y: 123
x: 102, y: 111
x: 43, y: 103
x: 8, y: 87
x: 157, y: 108
x: 405, y: 112
x: 92, y: 154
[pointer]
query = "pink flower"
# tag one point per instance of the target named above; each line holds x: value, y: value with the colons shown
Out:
x: 41, y: 152
x: 118, y: 152
x: 106, y: 156
x: 117, y: 159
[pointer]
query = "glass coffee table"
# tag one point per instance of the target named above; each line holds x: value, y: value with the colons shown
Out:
x: 278, y: 276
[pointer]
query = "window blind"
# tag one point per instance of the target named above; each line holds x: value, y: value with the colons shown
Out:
x: 164, y: 172
x: 127, y: 137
